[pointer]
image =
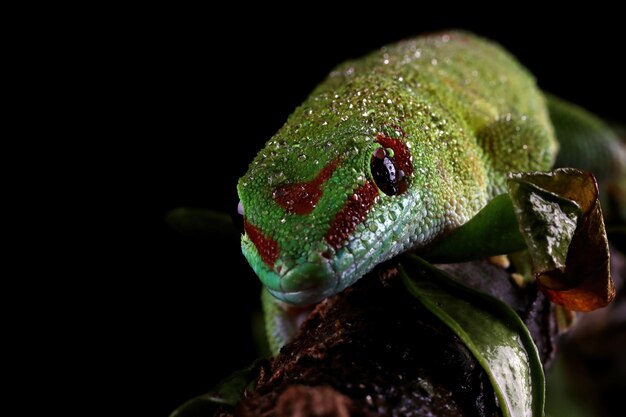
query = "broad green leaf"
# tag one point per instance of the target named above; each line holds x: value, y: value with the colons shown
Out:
x: 586, y: 142
x: 191, y: 221
x: 561, y: 220
x: 493, y: 231
x: 228, y: 392
x: 491, y: 330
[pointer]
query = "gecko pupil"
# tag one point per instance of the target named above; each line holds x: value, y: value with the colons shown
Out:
x: 384, y: 171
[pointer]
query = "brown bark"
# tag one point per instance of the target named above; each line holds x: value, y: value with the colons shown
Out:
x: 374, y: 350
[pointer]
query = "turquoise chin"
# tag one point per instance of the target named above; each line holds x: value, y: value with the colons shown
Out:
x: 301, y: 283
x: 305, y: 283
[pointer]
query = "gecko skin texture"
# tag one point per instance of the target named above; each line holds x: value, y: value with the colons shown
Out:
x: 442, y: 118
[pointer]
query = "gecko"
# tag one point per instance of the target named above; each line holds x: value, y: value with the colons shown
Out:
x: 391, y: 152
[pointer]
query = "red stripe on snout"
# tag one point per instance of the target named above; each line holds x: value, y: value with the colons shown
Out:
x: 266, y: 246
x: 351, y: 214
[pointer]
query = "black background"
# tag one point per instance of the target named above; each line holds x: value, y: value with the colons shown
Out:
x: 207, y: 88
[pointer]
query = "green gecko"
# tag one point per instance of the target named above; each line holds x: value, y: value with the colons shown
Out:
x: 390, y: 153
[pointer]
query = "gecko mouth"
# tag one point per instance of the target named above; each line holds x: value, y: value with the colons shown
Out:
x: 303, y: 283
x: 306, y: 283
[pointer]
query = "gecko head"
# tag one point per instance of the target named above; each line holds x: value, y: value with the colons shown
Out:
x: 320, y: 212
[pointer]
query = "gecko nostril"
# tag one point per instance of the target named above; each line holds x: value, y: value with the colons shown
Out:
x: 237, y: 218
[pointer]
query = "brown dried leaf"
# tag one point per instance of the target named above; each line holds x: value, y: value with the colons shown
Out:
x: 584, y: 283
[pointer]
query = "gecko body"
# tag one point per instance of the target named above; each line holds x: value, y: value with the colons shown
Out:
x: 390, y: 153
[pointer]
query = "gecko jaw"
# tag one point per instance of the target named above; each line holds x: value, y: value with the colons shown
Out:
x: 306, y: 283
x: 303, y: 283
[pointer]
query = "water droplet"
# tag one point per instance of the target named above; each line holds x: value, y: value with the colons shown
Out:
x: 373, y: 227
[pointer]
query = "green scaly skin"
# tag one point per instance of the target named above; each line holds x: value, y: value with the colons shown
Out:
x: 468, y: 112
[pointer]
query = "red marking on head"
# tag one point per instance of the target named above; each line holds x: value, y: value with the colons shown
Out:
x: 266, y: 246
x: 351, y: 214
x: 302, y: 197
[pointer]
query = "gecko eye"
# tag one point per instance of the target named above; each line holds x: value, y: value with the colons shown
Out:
x: 385, y: 172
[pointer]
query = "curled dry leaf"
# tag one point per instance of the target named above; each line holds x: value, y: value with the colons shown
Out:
x: 561, y: 220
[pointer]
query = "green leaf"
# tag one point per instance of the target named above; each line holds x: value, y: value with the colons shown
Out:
x: 561, y: 220
x: 198, y: 222
x: 556, y: 216
x: 228, y: 392
x: 491, y: 330
x: 586, y: 142
x: 547, y: 221
x: 493, y: 231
